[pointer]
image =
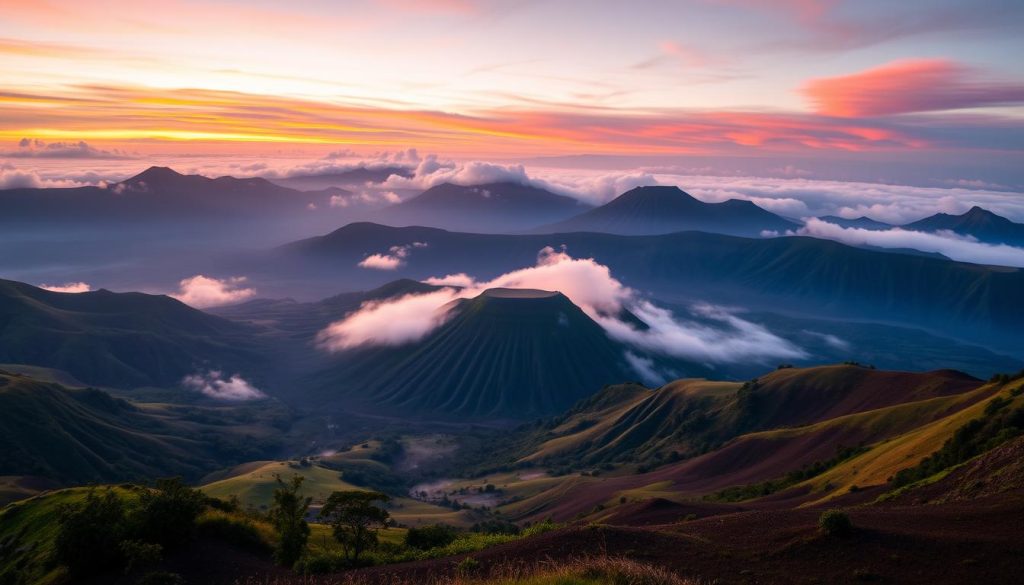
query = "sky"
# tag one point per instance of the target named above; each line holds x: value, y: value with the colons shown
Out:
x: 933, y: 87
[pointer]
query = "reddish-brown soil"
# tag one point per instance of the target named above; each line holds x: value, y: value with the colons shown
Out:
x: 976, y: 542
x: 801, y: 396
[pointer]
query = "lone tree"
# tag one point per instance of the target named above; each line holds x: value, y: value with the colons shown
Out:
x: 355, y: 517
x: 288, y: 514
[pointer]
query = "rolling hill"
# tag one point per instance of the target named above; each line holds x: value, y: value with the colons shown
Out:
x: 633, y: 425
x: 506, y: 354
x: 977, y: 223
x: 118, y: 339
x: 663, y: 210
x: 84, y: 435
x: 490, y: 207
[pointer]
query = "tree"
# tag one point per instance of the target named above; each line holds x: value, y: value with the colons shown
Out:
x: 288, y: 515
x: 89, y: 533
x: 168, y: 512
x: 355, y: 517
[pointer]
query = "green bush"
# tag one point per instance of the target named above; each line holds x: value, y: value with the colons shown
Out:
x: 167, y: 514
x: 835, y: 523
x: 468, y: 566
x: 237, y: 531
x: 428, y: 537
x: 89, y: 534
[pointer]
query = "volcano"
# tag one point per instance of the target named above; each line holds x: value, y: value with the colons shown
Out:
x: 663, y: 210
x: 505, y: 354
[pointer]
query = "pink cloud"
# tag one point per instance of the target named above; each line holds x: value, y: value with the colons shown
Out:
x: 202, y: 291
x: 902, y: 87
x: 70, y: 287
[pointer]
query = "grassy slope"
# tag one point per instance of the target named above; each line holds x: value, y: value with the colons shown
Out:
x: 117, y: 339
x: 29, y: 528
x: 798, y: 407
x: 254, y: 483
x: 629, y: 424
x: 86, y: 435
x: 880, y: 463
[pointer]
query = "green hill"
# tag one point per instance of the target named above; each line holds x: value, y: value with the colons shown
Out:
x: 85, y: 435
x: 118, y: 339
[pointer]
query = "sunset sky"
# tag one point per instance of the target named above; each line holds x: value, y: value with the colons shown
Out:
x: 917, y: 80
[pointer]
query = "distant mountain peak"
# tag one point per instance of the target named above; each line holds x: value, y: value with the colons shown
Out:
x: 660, y: 209
x: 155, y: 174
x: 977, y: 222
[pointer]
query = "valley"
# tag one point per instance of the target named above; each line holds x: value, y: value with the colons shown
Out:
x: 648, y: 389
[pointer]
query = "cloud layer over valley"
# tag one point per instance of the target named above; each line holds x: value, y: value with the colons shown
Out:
x: 709, y: 334
x: 949, y: 244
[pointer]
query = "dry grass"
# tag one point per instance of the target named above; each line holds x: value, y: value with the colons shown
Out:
x: 581, y: 571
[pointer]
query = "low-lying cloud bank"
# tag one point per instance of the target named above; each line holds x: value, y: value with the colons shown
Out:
x: 35, y: 148
x: 710, y: 334
x: 215, y: 385
x: 68, y: 287
x: 949, y: 244
x: 201, y: 291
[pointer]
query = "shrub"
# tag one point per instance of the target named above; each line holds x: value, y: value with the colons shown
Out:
x: 140, y: 554
x: 467, y: 566
x: 167, y: 514
x: 89, y: 534
x: 495, y: 526
x: 835, y: 523
x: 239, y: 531
x: 428, y: 537
x: 318, y: 564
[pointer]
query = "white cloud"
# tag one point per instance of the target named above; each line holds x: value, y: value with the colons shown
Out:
x: 12, y: 178
x: 68, y: 287
x: 590, y: 286
x: 203, y: 291
x: 392, y: 260
x: 946, y: 243
x: 645, y: 368
x: 830, y: 340
x: 393, y: 322
x: 215, y: 385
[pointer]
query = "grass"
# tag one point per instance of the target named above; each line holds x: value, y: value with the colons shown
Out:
x: 254, y: 483
x: 885, y: 459
x: 28, y: 529
x: 580, y: 571
x: 255, y: 486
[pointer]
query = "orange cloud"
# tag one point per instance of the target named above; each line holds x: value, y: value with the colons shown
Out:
x: 118, y: 115
x: 903, y: 87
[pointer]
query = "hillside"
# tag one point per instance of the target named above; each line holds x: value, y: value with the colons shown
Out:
x: 663, y: 210
x: 796, y: 275
x: 504, y: 354
x: 862, y: 222
x: 118, y: 339
x: 977, y: 223
x: 490, y: 207
x: 79, y: 436
x: 632, y: 425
